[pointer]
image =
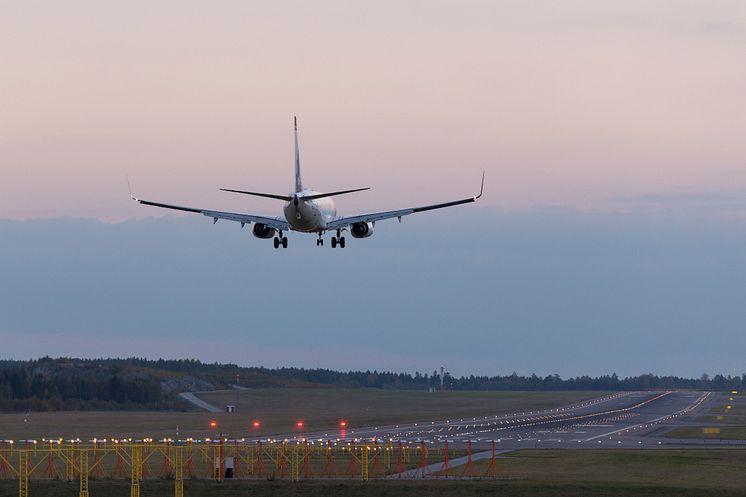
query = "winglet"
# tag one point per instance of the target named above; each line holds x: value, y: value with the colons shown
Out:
x: 481, y: 189
x: 129, y: 187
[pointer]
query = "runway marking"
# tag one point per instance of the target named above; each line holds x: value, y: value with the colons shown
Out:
x: 686, y: 409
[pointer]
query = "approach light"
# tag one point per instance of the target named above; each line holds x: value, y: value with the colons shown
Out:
x: 299, y: 424
x: 343, y: 424
x: 256, y: 424
x: 213, y: 424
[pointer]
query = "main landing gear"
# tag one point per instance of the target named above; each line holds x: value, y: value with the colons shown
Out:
x: 338, y: 240
x: 281, y: 240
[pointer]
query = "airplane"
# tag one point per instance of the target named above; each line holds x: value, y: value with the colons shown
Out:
x: 308, y: 211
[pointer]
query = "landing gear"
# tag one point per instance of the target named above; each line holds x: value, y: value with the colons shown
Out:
x: 281, y: 240
x: 338, y: 240
x: 320, y: 241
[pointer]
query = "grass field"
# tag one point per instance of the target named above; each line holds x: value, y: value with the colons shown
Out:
x: 322, y: 409
x: 726, y: 433
x: 724, y: 406
x: 691, y: 468
x: 9, y: 488
x: 533, y: 473
x: 723, y: 419
x: 727, y: 410
x: 278, y: 409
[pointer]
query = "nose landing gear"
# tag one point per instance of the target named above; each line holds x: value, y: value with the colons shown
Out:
x: 320, y: 241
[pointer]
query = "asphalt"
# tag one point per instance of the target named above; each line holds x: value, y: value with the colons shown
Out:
x: 623, y: 420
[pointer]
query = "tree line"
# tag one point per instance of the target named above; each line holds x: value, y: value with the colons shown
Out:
x: 138, y: 383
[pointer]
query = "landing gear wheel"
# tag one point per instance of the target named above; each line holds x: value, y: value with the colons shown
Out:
x: 277, y: 242
x: 284, y: 242
x: 334, y: 242
x: 342, y: 242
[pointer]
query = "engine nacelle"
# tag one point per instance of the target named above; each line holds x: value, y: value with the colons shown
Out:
x: 361, y: 230
x: 263, y: 231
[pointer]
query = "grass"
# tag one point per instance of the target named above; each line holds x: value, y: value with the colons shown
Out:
x: 728, y: 415
x: 528, y: 473
x: 726, y: 433
x: 322, y: 409
x: 737, y: 405
x: 278, y: 409
x: 686, y: 468
x: 723, y: 418
x: 9, y: 488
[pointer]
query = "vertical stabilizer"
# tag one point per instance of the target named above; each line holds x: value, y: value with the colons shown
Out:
x: 298, y: 182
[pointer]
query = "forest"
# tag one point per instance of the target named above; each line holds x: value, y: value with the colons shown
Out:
x: 49, y: 384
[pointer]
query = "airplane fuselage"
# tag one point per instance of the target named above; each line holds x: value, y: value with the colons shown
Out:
x: 309, y: 216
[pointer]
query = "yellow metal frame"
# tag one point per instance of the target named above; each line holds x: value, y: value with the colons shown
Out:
x: 143, y: 460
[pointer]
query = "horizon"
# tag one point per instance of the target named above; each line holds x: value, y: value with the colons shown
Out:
x: 411, y: 373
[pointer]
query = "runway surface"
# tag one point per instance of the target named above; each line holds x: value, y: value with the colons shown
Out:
x: 625, y: 419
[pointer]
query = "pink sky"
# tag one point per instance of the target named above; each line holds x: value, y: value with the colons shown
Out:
x: 570, y: 103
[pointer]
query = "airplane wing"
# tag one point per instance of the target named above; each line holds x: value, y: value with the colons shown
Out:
x: 343, y: 222
x: 278, y: 224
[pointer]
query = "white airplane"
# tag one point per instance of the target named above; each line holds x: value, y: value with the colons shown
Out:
x: 309, y: 211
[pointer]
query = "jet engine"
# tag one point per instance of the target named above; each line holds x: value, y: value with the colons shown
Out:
x: 263, y: 231
x: 361, y: 230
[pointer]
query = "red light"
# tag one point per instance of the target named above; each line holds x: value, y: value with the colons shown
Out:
x: 343, y: 424
x: 256, y: 424
x: 213, y: 424
x: 299, y: 425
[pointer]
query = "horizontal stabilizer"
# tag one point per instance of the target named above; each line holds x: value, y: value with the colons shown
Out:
x: 331, y: 194
x: 267, y: 195
x: 289, y: 198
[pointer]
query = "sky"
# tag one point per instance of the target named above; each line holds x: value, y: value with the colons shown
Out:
x: 609, y: 237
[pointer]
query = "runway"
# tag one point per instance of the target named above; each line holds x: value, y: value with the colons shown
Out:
x: 626, y: 419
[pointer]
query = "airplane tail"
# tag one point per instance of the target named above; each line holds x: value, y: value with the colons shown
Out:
x: 298, y: 181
